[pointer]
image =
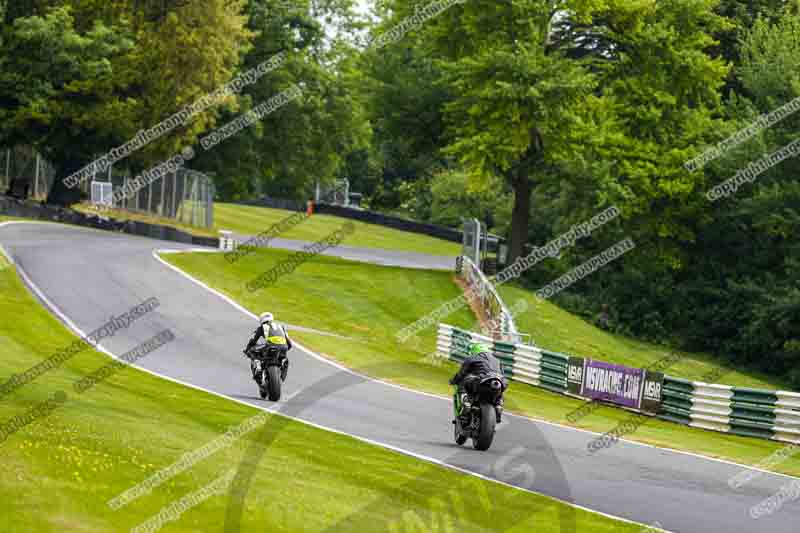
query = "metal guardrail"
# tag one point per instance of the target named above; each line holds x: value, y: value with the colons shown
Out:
x: 523, y: 363
x: 765, y: 414
x: 759, y: 413
x: 489, y: 299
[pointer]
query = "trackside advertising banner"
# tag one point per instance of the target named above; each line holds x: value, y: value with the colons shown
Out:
x: 651, y: 392
x: 635, y: 388
x: 575, y: 375
x: 613, y: 383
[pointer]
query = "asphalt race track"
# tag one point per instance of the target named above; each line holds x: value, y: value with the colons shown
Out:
x: 367, y: 255
x: 90, y: 275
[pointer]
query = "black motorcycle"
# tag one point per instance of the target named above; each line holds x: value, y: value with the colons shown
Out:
x: 270, y: 365
x: 476, y: 413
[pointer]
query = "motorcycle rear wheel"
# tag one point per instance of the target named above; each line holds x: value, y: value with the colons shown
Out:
x: 486, y: 428
x: 274, y: 383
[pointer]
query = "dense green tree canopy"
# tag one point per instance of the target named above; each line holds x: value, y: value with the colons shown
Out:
x: 532, y: 115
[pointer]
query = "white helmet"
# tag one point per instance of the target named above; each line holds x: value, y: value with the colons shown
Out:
x: 265, y: 318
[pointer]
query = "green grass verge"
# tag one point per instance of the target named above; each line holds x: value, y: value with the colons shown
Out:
x: 58, y: 472
x: 371, y: 303
x: 4, y: 218
x: 250, y: 220
x: 124, y: 216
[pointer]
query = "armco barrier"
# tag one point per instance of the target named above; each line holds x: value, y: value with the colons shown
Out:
x: 489, y: 300
x: 523, y: 363
x: 749, y: 412
x: 755, y: 413
x: 441, y: 232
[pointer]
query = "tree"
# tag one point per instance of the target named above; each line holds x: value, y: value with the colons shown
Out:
x: 763, y: 221
x: 57, y: 87
x: 404, y: 105
x: 743, y: 14
x: 307, y: 140
x: 94, y: 73
x: 510, y: 93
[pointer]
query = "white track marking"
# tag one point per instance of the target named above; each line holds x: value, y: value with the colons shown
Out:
x: 439, y: 397
x: 155, y: 253
x: 369, y: 378
x: 63, y: 317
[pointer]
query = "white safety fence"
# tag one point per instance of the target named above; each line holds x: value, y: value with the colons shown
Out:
x: 184, y: 195
x: 489, y: 300
x: 22, y: 162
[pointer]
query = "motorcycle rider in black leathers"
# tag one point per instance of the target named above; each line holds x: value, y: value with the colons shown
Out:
x: 480, y: 364
x: 267, y: 328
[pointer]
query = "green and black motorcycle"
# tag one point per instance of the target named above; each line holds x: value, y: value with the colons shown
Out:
x: 476, y: 414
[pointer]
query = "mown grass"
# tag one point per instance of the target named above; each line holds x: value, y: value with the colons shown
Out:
x: 58, y: 472
x: 251, y: 220
x: 124, y: 216
x: 4, y: 218
x: 370, y: 303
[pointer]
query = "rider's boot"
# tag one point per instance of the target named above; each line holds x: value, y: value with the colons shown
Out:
x: 464, y: 401
x: 284, y: 369
x: 499, y: 410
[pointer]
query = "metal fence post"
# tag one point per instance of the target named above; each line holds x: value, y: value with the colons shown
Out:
x: 200, y: 199
x: 204, y: 214
x: 196, y: 201
x: 191, y: 201
x: 36, y: 178
x: 163, y: 191
x: 8, y: 167
x: 174, y: 193
x: 210, y: 217
x: 478, y: 237
x: 179, y: 215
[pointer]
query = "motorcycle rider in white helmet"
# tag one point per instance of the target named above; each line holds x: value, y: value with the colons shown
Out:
x: 267, y: 328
